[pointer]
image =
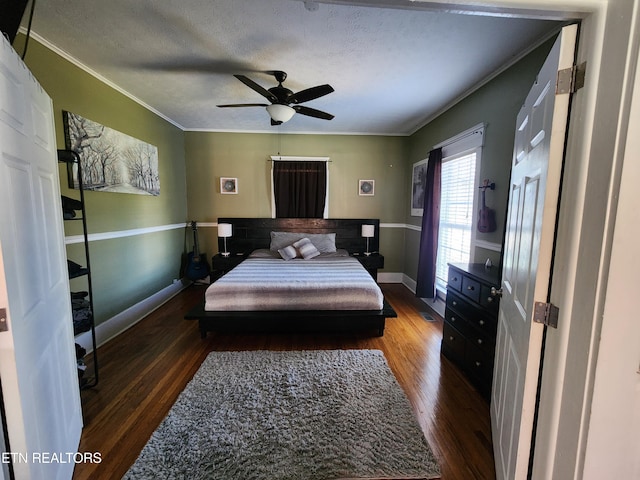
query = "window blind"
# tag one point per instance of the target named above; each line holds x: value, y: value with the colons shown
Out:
x: 456, y: 213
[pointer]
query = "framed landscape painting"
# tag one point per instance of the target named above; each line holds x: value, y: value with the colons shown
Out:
x: 111, y: 161
x: 418, y: 186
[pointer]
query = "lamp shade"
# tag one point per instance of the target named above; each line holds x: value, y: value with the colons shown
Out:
x: 224, y: 230
x: 280, y: 113
x: 368, y: 231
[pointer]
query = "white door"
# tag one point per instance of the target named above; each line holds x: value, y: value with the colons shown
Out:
x: 37, y: 354
x: 528, y: 251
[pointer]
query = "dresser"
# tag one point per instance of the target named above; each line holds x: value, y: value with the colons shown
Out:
x: 471, y: 318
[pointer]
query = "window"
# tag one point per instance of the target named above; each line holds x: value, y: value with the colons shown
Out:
x: 456, y: 213
x: 299, y: 187
x: 459, y: 178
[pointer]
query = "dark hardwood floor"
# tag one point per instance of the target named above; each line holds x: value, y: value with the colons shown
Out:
x: 143, y: 370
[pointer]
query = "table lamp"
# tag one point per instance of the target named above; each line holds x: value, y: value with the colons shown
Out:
x: 368, y: 231
x: 224, y: 231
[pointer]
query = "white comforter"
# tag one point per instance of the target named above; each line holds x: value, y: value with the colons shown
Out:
x: 322, y: 283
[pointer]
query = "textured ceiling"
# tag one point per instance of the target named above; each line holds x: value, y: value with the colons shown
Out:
x: 392, y: 68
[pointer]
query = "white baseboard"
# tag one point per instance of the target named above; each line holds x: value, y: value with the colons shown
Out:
x: 389, y: 277
x: 438, y: 305
x: 409, y: 282
x: 129, y: 317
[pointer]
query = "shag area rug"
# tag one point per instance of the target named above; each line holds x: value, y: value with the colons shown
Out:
x: 303, y: 415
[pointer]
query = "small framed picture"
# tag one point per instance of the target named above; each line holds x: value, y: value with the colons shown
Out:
x: 366, y: 187
x: 418, y: 187
x: 228, y: 185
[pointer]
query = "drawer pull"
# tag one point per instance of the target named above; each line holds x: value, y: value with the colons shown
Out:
x: 479, y: 341
x: 478, y: 364
x: 489, y: 299
x: 454, y: 303
x: 471, y: 288
x: 452, y: 338
x: 453, y: 319
x: 481, y: 322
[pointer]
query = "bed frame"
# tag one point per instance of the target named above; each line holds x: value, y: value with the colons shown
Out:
x: 253, y: 233
x: 249, y: 234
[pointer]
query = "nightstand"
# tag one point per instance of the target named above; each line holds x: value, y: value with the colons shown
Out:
x: 371, y: 263
x: 221, y: 265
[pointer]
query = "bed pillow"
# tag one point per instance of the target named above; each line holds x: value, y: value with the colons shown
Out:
x: 283, y: 239
x: 306, y: 249
x: 288, y: 253
x: 264, y: 253
x: 324, y: 242
x: 340, y: 252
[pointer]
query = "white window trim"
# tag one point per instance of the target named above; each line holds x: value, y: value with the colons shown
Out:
x: 470, y: 138
x: 284, y: 158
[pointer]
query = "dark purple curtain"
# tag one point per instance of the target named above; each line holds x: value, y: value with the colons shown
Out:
x: 299, y: 189
x: 426, y: 281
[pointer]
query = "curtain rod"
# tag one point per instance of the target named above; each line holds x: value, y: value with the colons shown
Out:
x: 478, y: 129
x: 285, y: 158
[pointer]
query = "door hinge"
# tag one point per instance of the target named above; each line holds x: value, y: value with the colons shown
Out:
x: 546, y: 313
x: 570, y: 80
x: 4, y: 327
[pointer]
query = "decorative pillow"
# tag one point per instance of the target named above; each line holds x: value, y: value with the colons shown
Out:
x: 306, y: 249
x: 288, y: 253
x: 324, y: 242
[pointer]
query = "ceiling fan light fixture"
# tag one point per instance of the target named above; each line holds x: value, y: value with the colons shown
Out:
x: 280, y: 113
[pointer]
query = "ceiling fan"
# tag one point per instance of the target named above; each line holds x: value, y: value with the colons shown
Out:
x: 284, y: 103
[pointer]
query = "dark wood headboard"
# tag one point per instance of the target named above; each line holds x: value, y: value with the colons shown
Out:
x: 251, y: 233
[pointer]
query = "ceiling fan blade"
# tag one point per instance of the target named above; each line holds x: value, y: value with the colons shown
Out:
x: 243, y: 105
x: 196, y: 64
x: 254, y: 86
x: 312, y: 112
x: 310, y: 94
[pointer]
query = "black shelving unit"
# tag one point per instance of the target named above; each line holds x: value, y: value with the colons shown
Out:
x: 71, y: 158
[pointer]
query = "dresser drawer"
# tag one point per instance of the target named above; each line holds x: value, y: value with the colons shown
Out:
x: 455, y: 279
x: 460, y: 305
x: 487, y: 300
x: 484, y: 325
x: 481, y: 340
x: 453, y: 342
x: 470, y: 288
x: 479, y: 363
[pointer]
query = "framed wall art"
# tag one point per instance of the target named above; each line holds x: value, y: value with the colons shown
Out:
x: 366, y: 187
x: 111, y: 160
x: 228, y: 185
x: 418, y: 186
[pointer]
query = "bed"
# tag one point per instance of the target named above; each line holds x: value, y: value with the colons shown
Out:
x: 299, y: 275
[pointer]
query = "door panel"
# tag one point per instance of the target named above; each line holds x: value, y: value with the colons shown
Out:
x: 37, y: 355
x: 529, y: 237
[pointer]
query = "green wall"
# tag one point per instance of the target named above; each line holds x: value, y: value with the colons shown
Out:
x: 129, y: 269
x: 210, y: 156
x: 496, y: 104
